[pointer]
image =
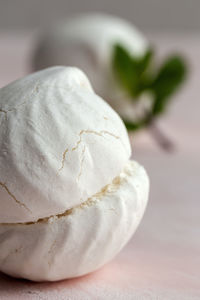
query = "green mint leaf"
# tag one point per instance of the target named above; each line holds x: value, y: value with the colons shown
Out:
x: 143, y: 62
x: 171, y: 74
x: 132, y: 126
x: 144, y: 72
x: 123, y: 68
x: 138, y: 74
x: 130, y: 71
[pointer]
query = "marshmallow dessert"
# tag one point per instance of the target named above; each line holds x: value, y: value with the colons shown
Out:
x: 70, y: 197
x: 87, y: 41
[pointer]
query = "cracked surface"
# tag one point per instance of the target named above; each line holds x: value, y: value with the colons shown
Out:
x: 100, y: 133
x: 3, y: 185
x: 33, y: 93
x: 39, y: 161
x: 3, y: 111
x: 80, y: 240
x: 63, y: 159
x: 50, y: 260
x: 81, y: 163
x: 108, y: 189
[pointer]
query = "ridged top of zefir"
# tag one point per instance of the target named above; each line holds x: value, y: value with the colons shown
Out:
x: 59, y: 144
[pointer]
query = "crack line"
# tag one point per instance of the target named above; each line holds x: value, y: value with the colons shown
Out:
x: 33, y: 93
x: 5, y: 113
x: 99, y: 196
x: 81, y: 163
x: 3, y: 185
x: 63, y: 160
x: 100, y: 133
x: 50, y: 260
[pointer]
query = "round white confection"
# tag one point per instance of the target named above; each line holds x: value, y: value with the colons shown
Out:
x: 87, y: 41
x: 59, y: 144
x: 83, y: 238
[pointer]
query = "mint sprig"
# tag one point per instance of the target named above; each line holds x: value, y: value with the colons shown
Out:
x: 169, y: 77
x: 125, y: 70
x: 137, y: 75
x: 130, y: 71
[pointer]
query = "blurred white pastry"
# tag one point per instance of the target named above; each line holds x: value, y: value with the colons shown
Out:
x: 70, y: 197
x: 86, y: 41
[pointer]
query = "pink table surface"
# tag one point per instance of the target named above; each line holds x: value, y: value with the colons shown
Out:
x: 162, y: 260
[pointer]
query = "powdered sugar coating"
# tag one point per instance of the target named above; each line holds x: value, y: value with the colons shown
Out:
x: 59, y: 144
x: 82, y: 239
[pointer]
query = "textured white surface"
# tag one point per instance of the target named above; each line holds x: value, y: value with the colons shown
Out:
x: 82, y: 239
x: 162, y: 261
x: 55, y: 134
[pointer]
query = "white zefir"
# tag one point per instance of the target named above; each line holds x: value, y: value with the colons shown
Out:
x: 87, y: 41
x: 70, y: 196
x: 82, y: 239
x: 59, y: 144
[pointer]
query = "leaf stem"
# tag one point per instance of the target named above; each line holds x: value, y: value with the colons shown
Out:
x: 162, y: 140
